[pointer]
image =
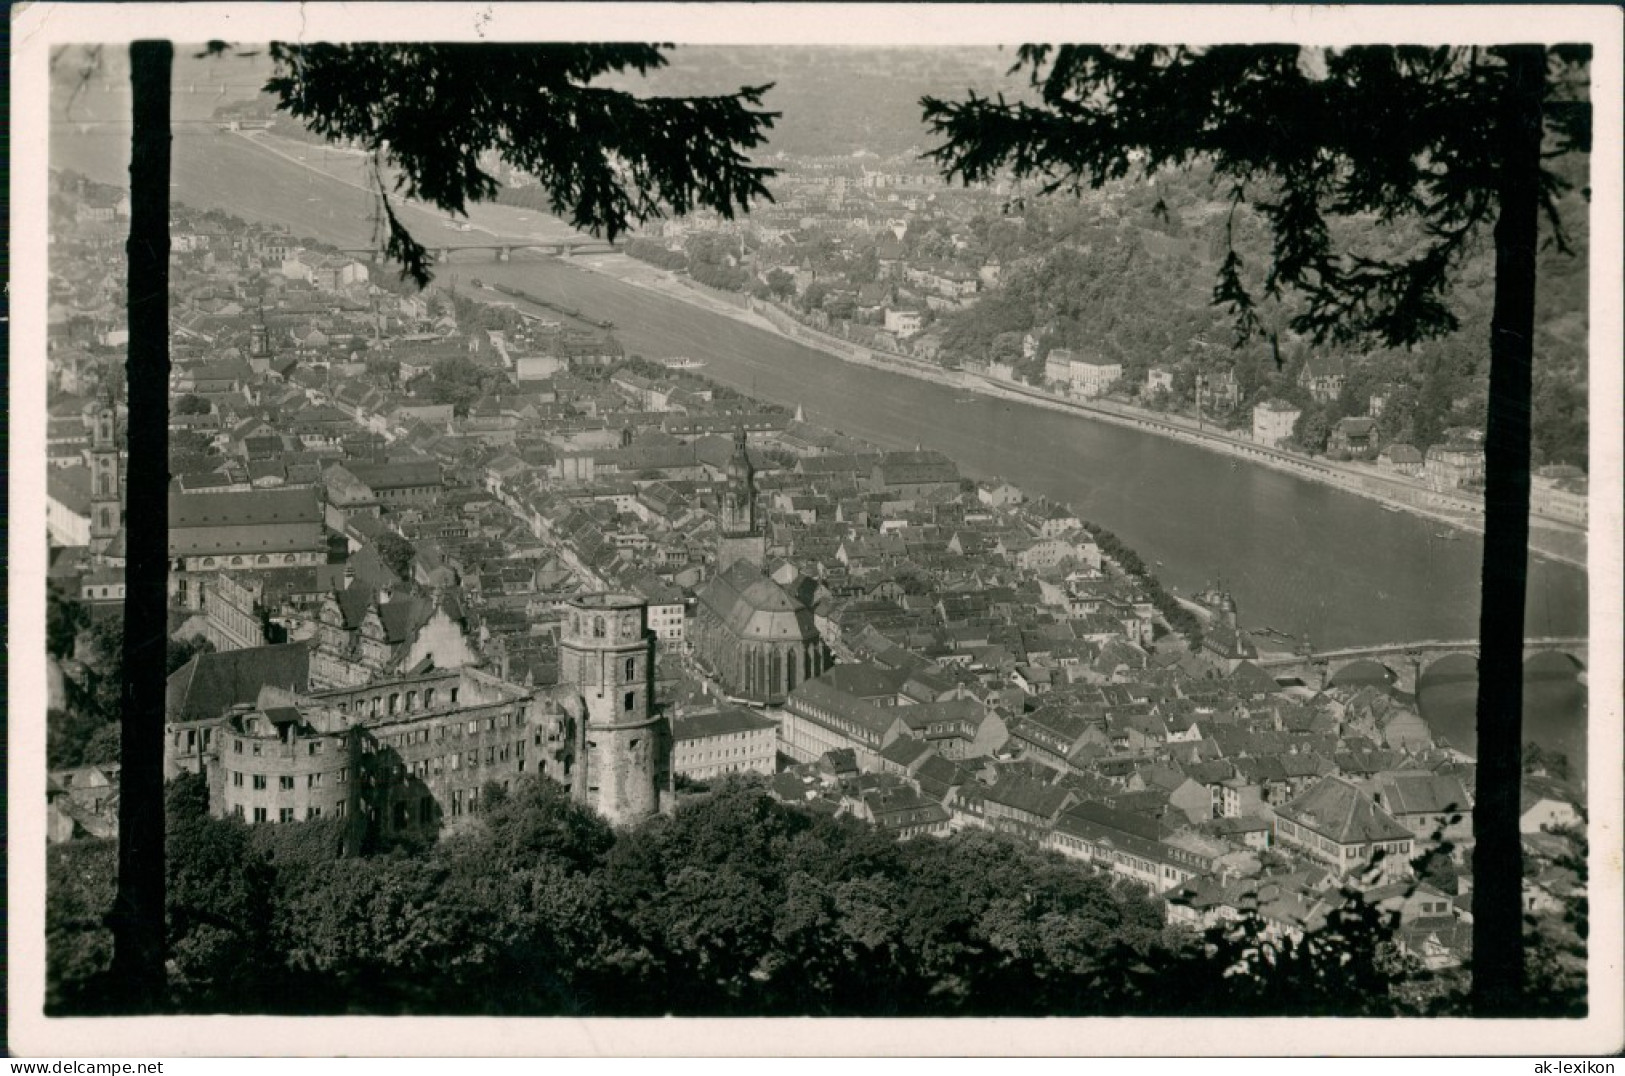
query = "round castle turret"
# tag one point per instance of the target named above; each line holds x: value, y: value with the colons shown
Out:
x: 606, y: 656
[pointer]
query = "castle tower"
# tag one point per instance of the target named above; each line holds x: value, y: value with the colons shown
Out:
x: 106, y: 512
x: 623, y: 748
x: 742, y: 538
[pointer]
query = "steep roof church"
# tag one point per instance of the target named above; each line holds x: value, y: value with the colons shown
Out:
x: 757, y: 638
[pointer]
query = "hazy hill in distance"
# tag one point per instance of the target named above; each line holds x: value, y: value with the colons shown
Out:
x: 836, y: 100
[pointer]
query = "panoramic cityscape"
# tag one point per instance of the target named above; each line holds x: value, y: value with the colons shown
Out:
x: 907, y: 591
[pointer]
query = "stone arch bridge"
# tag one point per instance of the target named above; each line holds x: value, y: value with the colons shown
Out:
x: 1407, y: 659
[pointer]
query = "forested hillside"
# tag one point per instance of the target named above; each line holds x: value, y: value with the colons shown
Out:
x: 1129, y: 272
x: 738, y: 905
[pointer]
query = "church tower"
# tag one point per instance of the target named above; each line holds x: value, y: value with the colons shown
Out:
x: 106, y: 511
x: 259, y: 342
x: 623, y: 745
x: 742, y: 537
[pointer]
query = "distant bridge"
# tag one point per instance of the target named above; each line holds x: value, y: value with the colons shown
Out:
x: 502, y: 251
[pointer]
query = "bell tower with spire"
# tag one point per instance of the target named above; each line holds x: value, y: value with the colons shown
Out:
x: 742, y: 537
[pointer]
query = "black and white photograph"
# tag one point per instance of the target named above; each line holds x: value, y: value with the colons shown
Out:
x: 640, y: 517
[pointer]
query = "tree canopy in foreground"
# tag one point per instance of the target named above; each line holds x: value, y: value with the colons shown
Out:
x: 1376, y: 169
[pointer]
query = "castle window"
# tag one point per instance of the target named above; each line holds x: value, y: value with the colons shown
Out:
x: 411, y: 701
x: 394, y: 701
x: 428, y: 698
x: 313, y: 812
x: 597, y: 627
x: 259, y: 814
x: 237, y: 810
x: 286, y: 783
x: 631, y: 700
x: 631, y: 668
x: 454, y: 696
x: 237, y: 780
x: 259, y: 782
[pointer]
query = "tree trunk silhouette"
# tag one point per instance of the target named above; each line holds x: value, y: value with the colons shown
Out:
x: 1498, y: 950
x: 137, y: 920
